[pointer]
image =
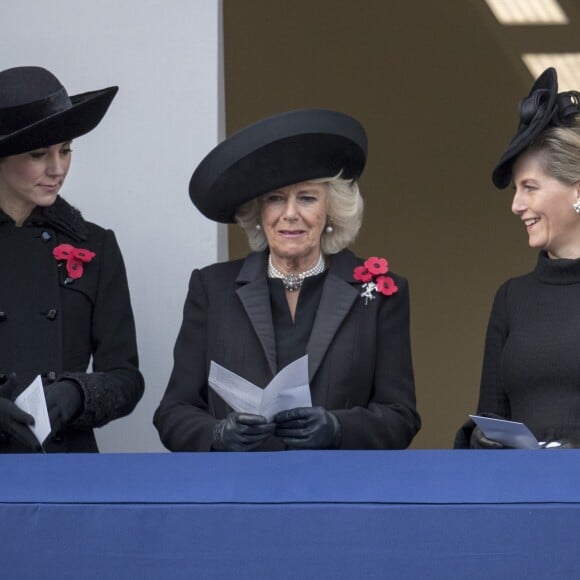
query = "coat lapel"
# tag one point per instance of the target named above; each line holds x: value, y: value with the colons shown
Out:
x: 338, y: 296
x: 255, y: 297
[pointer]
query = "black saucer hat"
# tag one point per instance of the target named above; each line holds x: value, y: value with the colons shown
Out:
x: 542, y: 108
x: 275, y: 152
x: 36, y: 111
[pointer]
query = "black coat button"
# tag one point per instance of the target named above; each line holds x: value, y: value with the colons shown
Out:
x: 51, y: 314
x: 3, y: 316
x: 51, y: 376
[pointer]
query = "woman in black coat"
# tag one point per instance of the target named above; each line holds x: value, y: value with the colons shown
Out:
x: 530, y: 371
x: 290, y: 182
x: 64, y: 298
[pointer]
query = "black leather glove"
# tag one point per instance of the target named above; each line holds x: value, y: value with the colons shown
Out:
x: 241, y: 432
x: 14, y: 421
x: 64, y: 401
x: 479, y: 441
x: 308, y: 428
x: 9, y: 386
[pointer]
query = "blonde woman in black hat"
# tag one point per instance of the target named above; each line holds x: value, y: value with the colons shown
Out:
x: 64, y: 298
x: 291, y: 182
x: 531, y: 370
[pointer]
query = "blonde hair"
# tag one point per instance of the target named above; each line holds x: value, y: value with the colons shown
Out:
x: 344, y: 208
x: 561, y: 148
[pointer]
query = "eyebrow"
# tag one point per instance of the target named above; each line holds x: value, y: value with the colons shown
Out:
x: 305, y: 189
x: 308, y: 189
x: 525, y: 179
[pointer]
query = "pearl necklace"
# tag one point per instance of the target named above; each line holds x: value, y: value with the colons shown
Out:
x: 293, y: 282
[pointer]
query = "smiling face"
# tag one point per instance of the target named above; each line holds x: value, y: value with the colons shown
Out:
x: 545, y: 206
x: 32, y: 178
x: 293, y: 219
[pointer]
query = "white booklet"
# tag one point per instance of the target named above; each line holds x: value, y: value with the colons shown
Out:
x: 287, y: 390
x: 510, y: 433
x: 31, y: 400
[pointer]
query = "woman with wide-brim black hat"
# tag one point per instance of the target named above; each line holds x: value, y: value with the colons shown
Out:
x: 64, y: 297
x: 531, y: 372
x: 291, y: 182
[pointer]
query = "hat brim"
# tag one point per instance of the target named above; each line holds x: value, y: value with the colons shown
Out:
x: 545, y: 89
x: 275, y: 152
x: 85, y: 114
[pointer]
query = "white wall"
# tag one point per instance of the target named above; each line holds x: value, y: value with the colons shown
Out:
x: 131, y: 173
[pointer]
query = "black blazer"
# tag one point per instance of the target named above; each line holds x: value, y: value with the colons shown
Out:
x: 360, y: 364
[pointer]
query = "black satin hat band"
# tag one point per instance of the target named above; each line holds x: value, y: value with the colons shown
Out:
x: 15, y: 118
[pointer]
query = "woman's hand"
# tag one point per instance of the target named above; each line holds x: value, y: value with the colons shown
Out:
x: 308, y: 428
x: 241, y: 432
x: 479, y: 441
x: 64, y: 402
x: 14, y: 421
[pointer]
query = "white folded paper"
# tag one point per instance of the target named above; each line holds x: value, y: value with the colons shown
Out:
x: 31, y: 400
x: 509, y: 433
x: 287, y: 390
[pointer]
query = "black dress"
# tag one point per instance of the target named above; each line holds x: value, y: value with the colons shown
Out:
x: 531, y: 368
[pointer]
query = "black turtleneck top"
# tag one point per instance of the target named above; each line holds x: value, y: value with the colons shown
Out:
x: 531, y: 368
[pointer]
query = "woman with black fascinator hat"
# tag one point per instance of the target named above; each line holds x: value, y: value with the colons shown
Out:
x: 531, y: 369
x: 64, y: 298
x: 290, y: 181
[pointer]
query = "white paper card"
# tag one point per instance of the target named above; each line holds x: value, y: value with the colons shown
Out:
x: 287, y: 390
x: 32, y: 401
x: 509, y: 433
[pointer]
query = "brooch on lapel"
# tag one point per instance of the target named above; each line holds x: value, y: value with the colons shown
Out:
x: 372, y: 275
x: 75, y: 258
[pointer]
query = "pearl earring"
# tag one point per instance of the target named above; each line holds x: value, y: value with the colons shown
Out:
x: 258, y: 227
x: 329, y: 229
x: 576, y: 206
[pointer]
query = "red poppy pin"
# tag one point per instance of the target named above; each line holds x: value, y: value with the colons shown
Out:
x: 372, y: 275
x: 75, y: 258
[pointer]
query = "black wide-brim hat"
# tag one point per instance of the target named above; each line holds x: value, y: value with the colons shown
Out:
x: 275, y: 152
x: 542, y: 108
x: 36, y: 111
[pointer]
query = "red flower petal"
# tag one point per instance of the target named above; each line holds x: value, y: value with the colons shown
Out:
x: 362, y: 274
x: 63, y: 251
x: 74, y: 258
x: 84, y: 255
x: 386, y: 285
x: 74, y: 268
x: 377, y: 266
